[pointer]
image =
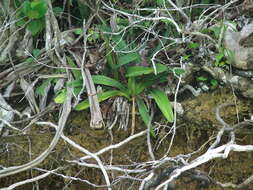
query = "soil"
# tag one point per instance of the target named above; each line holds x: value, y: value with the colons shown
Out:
x: 196, y: 126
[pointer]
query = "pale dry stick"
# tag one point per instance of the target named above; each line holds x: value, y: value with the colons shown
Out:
x: 179, y: 9
x: 133, y: 115
x: 219, y: 152
x: 156, y: 53
x: 70, y: 178
x: 9, y: 25
x: 212, y: 153
x: 175, y: 113
x: 141, y: 19
x: 109, y: 167
x: 96, y: 115
x: 9, y: 125
x: 173, y: 9
x: 203, y: 14
x: 34, y: 179
x: 216, y: 10
x: 145, y: 180
x: 114, y: 146
x: 150, y: 150
x: 61, y: 123
x: 85, y: 151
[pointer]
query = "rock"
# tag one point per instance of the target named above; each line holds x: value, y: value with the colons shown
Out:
x: 241, y: 44
x: 243, y: 85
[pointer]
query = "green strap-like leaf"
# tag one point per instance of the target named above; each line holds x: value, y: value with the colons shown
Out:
x: 144, y: 114
x: 104, y: 80
x: 163, y: 103
x: 135, y: 71
x: 60, y: 98
x: 101, y: 97
x: 128, y: 58
x: 77, y: 73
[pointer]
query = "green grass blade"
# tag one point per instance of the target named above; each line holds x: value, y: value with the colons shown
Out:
x: 145, y: 115
x: 163, y: 103
x: 104, y: 80
x: 128, y: 58
x: 101, y: 97
x: 135, y: 71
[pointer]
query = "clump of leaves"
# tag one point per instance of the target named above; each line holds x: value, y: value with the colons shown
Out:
x: 31, y: 13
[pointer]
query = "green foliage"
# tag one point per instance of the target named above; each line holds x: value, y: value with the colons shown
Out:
x: 178, y: 71
x: 136, y: 85
x: 145, y: 115
x: 60, y: 98
x: 57, y: 11
x: 220, y: 57
x: 193, y: 45
x: 201, y: 78
x: 128, y: 58
x: 163, y: 103
x: 104, y: 80
x: 40, y: 90
x: 32, y: 13
x: 214, y: 83
x: 101, y: 97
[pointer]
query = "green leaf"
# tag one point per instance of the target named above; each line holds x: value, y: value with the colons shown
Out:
x: 178, y: 71
x: 104, y: 80
x: 214, y: 83
x: 160, y: 2
x: 33, y: 14
x: 163, y: 103
x: 78, y: 31
x: 101, y: 97
x: 75, y: 83
x: 36, y: 25
x: 135, y: 71
x: 60, y: 98
x: 193, y: 45
x: 29, y: 60
x: 26, y: 7
x: 216, y: 30
x: 144, y: 115
x: 57, y: 11
x: 21, y: 21
x: 186, y: 57
x: 77, y: 90
x: 39, y: 6
x: 84, y: 10
x: 41, y: 89
x: 77, y: 73
x: 161, y: 68
x: 201, y: 78
x: 132, y: 85
x: 219, y: 56
x: 128, y: 58
x: 119, y: 43
x: 35, y: 52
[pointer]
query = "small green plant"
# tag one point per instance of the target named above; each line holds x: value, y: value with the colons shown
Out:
x: 32, y: 13
x: 122, y: 77
x: 213, y: 83
x: 224, y: 56
x: 139, y: 82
